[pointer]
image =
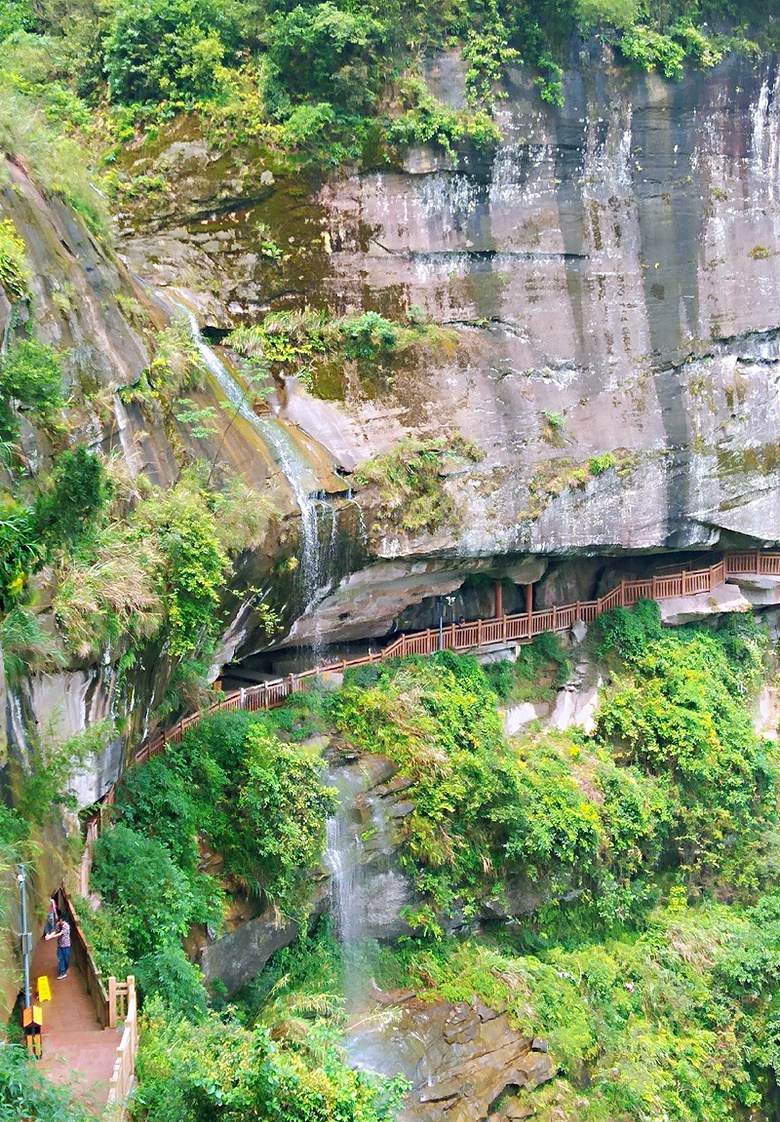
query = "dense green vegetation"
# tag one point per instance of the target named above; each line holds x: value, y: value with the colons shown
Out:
x: 615, y: 893
x: 318, y: 82
x: 27, y: 1096
x: 232, y: 787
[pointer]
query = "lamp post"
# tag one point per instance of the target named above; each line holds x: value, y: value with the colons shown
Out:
x: 21, y: 878
x: 450, y: 600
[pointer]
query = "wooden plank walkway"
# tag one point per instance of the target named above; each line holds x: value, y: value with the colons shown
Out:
x: 77, y: 1051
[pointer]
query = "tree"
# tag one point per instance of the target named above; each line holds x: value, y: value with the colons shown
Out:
x: 167, y: 49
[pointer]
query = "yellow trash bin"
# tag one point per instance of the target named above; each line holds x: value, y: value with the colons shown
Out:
x: 44, y: 989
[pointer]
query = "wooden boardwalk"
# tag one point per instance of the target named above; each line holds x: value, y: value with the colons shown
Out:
x: 476, y: 635
x: 77, y: 1051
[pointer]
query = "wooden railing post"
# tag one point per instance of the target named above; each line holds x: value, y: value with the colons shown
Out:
x: 112, y: 1002
x: 554, y: 618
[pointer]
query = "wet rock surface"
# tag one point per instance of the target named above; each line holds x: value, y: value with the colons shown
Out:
x: 465, y: 1062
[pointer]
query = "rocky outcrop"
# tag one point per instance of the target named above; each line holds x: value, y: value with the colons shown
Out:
x: 465, y: 1062
x: 236, y: 958
x: 611, y: 276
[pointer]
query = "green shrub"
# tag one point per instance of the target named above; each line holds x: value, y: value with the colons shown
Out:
x: 284, y: 807
x: 14, y: 270
x: 26, y: 1093
x: 540, y: 669
x: 650, y: 49
x: 138, y: 879
x: 216, y: 1068
x: 194, y: 567
x: 79, y: 491
x: 167, y: 49
x: 325, y: 53
x: 253, y: 798
x: 680, y: 717
x: 599, y: 464
x: 154, y: 801
x: 30, y: 376
x: 628, y: 632
x: 170, y: 976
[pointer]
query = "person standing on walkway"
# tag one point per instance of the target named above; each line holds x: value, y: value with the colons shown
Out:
x: 62, y: 934
x: 52, y: 917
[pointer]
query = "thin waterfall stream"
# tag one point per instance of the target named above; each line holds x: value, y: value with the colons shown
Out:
x: 367, y: 891
x: 348, y: 875
x: 317, y: 548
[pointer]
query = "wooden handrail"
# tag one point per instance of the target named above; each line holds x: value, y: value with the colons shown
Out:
x: 519, y: 628
x: 123, y: 1075
x: 82, y: 954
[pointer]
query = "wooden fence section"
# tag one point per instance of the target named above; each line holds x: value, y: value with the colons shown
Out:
x: 82, y: 955
x: 123, y: 1075
x: 475, y: 634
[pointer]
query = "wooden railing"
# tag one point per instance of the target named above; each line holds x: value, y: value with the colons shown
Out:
x: 81, y: 953
x: 123, y: 1075
x: 118, y: 1004
x: 473, y: 635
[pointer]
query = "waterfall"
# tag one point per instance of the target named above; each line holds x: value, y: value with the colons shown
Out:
x: 368, y: 891
x: 314, y: 561
x: 344, y: 859
x: 765, y: 118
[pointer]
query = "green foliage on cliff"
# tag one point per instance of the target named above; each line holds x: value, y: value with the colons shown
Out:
x: 680, y: 714
x: 410, y: 481
x: 256, y: 799
x: 167, y: 48
x: 674, y: 776
x: 14, y: 271
x: 309, y: 344
x: 320, y: 83
x: 31, y: 383
x: 164, y: 562
x: 219, y: 1068
x: 540, y: 669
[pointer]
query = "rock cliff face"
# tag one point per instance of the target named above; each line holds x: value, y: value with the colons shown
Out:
x: 610, y: 273
x: 612, y: 276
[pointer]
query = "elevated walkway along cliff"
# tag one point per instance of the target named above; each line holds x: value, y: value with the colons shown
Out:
x: 720, y: 587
